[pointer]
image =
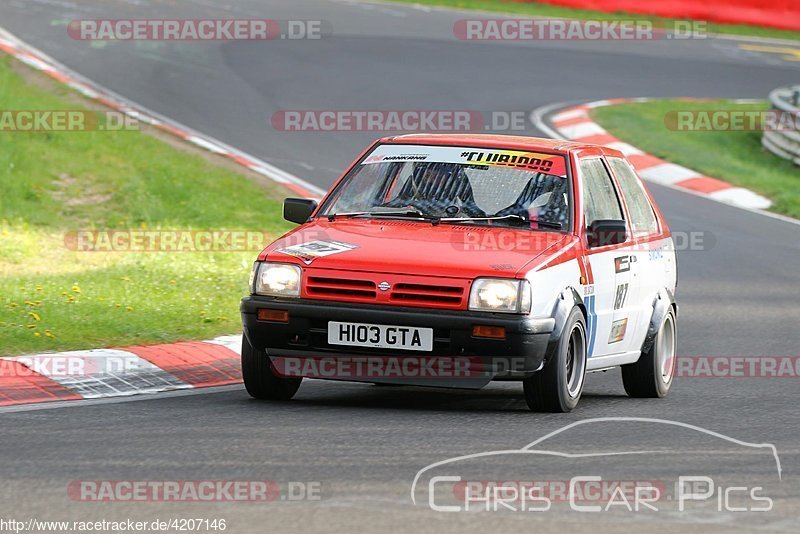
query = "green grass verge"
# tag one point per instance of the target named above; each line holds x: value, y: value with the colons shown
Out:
x: 545, y: 10
x: 735, y: 157
x: 54, y: 298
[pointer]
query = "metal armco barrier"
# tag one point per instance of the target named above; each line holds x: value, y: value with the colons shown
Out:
x: 784, y: 143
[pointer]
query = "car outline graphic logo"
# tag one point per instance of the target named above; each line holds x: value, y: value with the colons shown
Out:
x: 528, y: 449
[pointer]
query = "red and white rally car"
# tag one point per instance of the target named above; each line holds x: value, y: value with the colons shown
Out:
x: 453, y: 260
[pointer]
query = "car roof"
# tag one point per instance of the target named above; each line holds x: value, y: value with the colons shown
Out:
x: 518, y: 142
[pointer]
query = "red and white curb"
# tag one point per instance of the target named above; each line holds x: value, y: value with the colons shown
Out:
x: 574, y: 123
x: 40, y: 61
x: 101, y: 373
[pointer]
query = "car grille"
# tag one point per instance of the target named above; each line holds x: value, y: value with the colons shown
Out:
x: 404, y: 290
x: 320, y: 285
x: 426, y: 294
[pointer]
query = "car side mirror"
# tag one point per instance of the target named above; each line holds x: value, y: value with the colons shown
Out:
x: 298, y: 210
x: 604, y: 232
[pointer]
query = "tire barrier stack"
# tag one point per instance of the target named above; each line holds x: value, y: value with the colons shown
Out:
x: 785, y: 142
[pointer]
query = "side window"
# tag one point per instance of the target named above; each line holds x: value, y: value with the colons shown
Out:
x: 643, y: 220
x: 599, y: 198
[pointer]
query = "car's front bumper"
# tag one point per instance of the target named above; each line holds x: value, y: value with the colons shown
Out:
x: 304, y: 337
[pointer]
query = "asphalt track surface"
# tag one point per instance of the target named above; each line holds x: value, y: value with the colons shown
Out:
x: 364, y: 444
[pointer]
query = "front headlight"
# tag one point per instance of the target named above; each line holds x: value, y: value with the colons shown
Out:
x: 500, y: 295
x: 278, y: 280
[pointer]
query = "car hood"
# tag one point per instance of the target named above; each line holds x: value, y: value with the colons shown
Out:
x: 411, y: 247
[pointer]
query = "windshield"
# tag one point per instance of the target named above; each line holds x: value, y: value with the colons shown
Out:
x: 457, y: 184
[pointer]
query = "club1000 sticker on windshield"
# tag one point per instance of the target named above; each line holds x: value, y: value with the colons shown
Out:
x: 513, y: 159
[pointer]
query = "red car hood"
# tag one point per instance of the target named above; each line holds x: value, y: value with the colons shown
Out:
x: 402, y: 247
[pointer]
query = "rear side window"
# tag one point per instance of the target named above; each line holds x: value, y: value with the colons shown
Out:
x: 599, y: 197
x: 643, y: 220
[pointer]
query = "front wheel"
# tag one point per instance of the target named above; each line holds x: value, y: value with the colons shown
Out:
x: 558, y: 387
x: 260, y: 379
x: 651, y: 376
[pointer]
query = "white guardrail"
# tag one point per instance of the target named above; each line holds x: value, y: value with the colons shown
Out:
x: 784, y: 143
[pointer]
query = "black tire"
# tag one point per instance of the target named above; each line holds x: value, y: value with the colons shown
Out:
x: 558, y: 387
x: 260, y: 379
x: 651, y: 376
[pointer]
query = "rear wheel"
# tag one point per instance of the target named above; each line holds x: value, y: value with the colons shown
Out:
x: 651, y: 376
x: 558, y: 387
x: 260, y: 379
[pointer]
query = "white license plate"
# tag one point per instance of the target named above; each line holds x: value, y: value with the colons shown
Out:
x: 380, y: 336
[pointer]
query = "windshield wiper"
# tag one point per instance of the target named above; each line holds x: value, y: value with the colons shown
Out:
x: 412, y: 213
x: 512, y: 218
x: 549, y: 224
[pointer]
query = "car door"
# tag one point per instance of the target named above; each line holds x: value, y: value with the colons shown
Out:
x: 654, y: 253
x: 611, y: 320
